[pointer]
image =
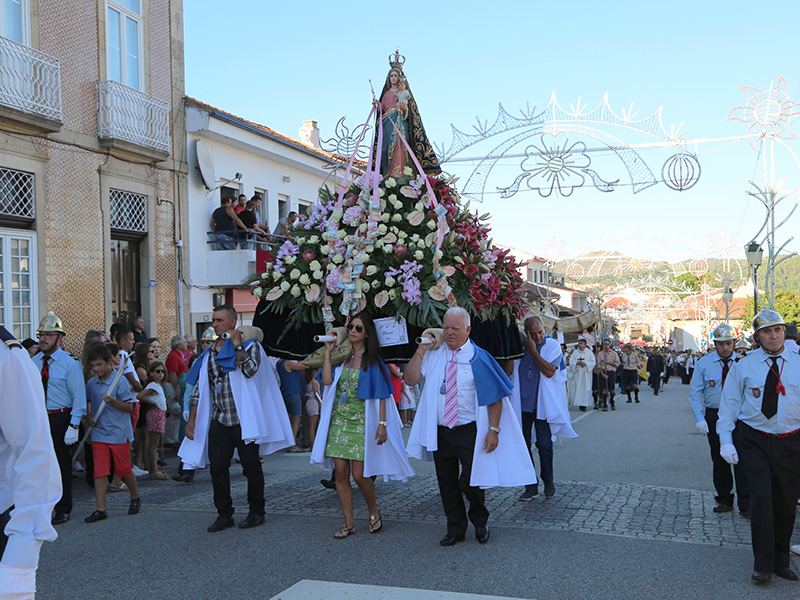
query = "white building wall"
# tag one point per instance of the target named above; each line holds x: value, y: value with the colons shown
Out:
x: 266, y: 165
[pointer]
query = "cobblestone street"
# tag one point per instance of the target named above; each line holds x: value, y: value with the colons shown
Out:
x: 608, y: 515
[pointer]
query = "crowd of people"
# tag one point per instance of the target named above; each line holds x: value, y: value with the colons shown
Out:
x: 477, y: 420
x: 237, y: 223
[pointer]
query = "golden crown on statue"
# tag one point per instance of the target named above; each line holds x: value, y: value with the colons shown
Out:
x: 397, y: 60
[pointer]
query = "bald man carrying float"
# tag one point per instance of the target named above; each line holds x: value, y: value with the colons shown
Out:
x: 465, y: 416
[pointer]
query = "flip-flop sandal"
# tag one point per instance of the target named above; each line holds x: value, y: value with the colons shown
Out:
x: 375, y: 523
x: 344, y: 532
x: 121, y: 488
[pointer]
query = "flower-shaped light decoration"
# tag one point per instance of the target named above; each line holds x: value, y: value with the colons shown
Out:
x: 767, y: 112
x: 555, y: 166
x: 722, y: 245
x: 553, y: 252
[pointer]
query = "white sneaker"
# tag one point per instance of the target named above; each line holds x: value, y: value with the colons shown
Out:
x: 77, y: 467
x: 139, y: 472
x: 795, y: 549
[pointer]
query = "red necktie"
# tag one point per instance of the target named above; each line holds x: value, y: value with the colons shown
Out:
x: 45, y: 373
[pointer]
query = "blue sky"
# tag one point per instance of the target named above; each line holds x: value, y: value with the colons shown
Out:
x: 279, y: 63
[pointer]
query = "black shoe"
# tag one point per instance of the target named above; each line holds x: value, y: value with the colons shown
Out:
x: 628, y: 401
x: 549, y: 490
x: 482, y: 534
x: 252, y: 520
x: 637, y: 401
x: 184, y: 477
x: 613, y: 406
x: 136, y: 504
x: 785, y: 573
x: 582, y: 408
x: 723, y: 507
x: 60, y: 519
x: 97, y: 515
x: 761, y: 576
x: 531, y: 492
x: 220, y: 524
x: 451, y: 540
x: 328, y: 483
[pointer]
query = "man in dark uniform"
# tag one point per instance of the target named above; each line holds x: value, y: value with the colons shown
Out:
x: 763, y: 395
x: 65, y: 395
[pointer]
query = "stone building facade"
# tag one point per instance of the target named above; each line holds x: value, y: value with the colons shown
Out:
x: 92, y: 164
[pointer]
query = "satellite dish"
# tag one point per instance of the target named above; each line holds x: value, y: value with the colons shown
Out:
x: 205, y: 164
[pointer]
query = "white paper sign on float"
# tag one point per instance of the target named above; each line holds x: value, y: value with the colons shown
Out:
x: 391, y: 331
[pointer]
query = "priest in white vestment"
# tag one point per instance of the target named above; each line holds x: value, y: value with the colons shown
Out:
x: 465, y: 417
x: 579, y: 374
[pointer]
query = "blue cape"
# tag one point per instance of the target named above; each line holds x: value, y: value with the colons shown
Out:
x: 371, y: 384
x: 226, y: 358
x: 491, y: 382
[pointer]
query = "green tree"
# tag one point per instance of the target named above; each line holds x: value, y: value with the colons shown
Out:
x: 689, y: 279
x: 787, y: 303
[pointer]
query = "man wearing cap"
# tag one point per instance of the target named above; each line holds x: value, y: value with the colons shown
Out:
x: 606, y: 367
x: 708, y: 381
x: 65, y: 400
x: 763, y: 393
x: 631, y: 365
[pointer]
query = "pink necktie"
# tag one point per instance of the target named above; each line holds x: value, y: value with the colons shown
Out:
x: 451, y: 392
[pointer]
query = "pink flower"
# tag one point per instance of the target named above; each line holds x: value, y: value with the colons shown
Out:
x: 381, y: 298
x: 400, y: 250
x: 332, y: 281
x: 411, y: 293
x: 312, y: 293
x: 309, y: 255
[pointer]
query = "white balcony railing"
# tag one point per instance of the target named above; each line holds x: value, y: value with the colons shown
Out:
x: 30, y: 81
x: 132, y: 116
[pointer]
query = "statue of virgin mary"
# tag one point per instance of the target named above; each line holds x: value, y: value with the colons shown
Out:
x: 400, y: 116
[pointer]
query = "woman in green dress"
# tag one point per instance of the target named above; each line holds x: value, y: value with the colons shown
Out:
x: 346, y: 433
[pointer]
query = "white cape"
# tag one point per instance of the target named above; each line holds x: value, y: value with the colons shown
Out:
x: 508, y: 466
x: 580, y: 379
x: 551, y: 404
x: 259, y: 404
x: 388, y: 459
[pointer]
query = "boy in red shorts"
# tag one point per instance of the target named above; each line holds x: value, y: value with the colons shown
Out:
x: 112, y: 433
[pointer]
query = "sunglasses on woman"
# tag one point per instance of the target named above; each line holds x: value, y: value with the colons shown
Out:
x: 358, y: 328
x: 162, y: 371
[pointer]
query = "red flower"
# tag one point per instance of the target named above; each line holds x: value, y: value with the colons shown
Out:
x: 400, y: 250
x: 470, y: 270
x: 308, y: 256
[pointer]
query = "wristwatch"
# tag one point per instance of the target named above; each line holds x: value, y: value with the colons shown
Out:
x: 239, y: 348
x: 75, y: 425
x: 384, y: 423
x: 495, y: 429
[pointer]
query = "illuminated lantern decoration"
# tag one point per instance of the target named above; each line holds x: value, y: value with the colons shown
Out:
x: 575, y: 272
x: 680, y: 172
x: 698, y: 267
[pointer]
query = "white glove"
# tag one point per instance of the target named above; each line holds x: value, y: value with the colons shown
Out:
x: 728, y: 453
x: 71, y: 437
x: 17, y: 583
x: 702, y: 427
x: 186, y: 416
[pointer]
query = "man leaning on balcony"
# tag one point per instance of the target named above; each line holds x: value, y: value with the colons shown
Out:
x: 222, y: 222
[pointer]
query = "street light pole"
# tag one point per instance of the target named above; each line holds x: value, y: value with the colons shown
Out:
x: 754, y: 253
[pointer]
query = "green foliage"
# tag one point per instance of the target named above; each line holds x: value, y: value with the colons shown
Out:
x: 787, y: 303
x: 691, y: 281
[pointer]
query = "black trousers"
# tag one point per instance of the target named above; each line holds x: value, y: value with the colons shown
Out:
x: 772, y: 468
x: 723, y: 480
x: 221, y: 443
x: 456, y: 446
x: 544, y: 444
x: 59, y: 422
x: 630, y: 381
